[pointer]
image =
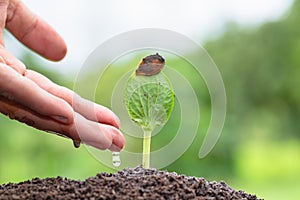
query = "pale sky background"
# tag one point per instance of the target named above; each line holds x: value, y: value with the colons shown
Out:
x: 85, y: 24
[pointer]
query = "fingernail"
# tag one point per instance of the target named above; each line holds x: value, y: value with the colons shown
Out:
x: 61, y: 119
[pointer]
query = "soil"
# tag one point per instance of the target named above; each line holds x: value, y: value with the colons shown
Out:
x: 137, y: 183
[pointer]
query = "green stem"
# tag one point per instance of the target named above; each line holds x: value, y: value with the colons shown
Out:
x: 146, y: 149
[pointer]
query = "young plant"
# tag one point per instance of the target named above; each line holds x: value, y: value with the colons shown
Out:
x: 149, y: 99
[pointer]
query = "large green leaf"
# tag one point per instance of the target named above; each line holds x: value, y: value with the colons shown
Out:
x: 149, y: 100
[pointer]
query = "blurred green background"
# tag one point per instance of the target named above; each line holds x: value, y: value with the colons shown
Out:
x: 259, y: 149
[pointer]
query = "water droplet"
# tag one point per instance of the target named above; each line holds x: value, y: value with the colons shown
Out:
x: 116, y: 161
x: 76, y: 143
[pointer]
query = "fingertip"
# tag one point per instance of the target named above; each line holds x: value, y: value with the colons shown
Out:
x: 53, y: 47
x: 59, y: 54
x: 114, y: 148
x: 98, y: 135
x: 113, y: 139
x: 118, y: 139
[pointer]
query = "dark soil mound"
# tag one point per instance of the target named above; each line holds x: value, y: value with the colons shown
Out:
x: 135, y: 183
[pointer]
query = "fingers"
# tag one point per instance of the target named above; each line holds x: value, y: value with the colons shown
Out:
x: 88, y: 111
x: 13, y: 62
x: 20, y: 89
x: 34, y: 32
x: 95, y: 112
x: 91, y: 133
x: 98, y: 135
x: 38, y: 102
x: 82, y: 106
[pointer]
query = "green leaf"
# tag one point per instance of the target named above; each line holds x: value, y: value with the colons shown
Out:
x: 149, y: 100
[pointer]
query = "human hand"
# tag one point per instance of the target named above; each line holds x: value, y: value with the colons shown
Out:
x: 31, y: 98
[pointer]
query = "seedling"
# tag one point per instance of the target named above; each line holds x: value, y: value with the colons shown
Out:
x: 149, y: 99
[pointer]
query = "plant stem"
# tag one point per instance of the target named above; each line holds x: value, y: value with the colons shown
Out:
x: 146, y: 148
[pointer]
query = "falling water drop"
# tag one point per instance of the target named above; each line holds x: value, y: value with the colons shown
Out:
x: 76, y: 143
x: 116, y: 161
